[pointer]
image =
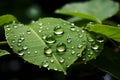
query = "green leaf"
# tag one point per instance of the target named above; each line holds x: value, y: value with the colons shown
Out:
x: 108, y: 61
x: 95, y: 10
x: 7, y: 19
x: 109, y: 31
x: 52, y: 43
x: 3, y: 52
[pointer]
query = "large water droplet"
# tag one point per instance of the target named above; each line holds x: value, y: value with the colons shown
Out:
x: 50, y: 39
x: 21, y: 54
x: 48, y: 51
x: 61, y: 47
x: 58, y: 30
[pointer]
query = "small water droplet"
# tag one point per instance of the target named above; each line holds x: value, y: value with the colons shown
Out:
x: 61, y: 47
x: 19, y: 40
x: 95, y: 46
x: 44, y: 37
x: 19, y: 44
x: 80, y: 35
x: 72, y: 28
x: 8, y: 28
x: 83, y: 31
x: 100, y: 39
x: 21, y: 54
x: 48, y: 51
x: 83, y: 59
x: 15, y: 26
x: 89, y: 55
x: 25, y: 47
x: 58, y: 30
x: 33, y: 21
x: 28, y: 52
x: 61, y: 60
x: 52, y: 60
x: 40, y: 24
x: 50, y: 39
x: 55, y: 69
x: 69, y: 40
x: 28, y: 32
x: 13, y: 41
x: 45, y: 64
x: 36, y: 51
x: 80, y: 45
x: 73, y: 52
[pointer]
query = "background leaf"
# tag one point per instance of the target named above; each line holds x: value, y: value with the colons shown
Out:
x: 91, y: 10
x: 109, y: 31
x: 52, y: 43
x: 108, y: 61
x: 7, y: 19
x: 3, y: 52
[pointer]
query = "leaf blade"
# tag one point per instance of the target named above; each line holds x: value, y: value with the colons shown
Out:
x: 3, y: 52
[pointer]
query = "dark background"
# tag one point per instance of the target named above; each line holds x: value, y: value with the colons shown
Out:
x: 12, y: 67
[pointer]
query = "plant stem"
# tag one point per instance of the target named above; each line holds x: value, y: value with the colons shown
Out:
x: 3, y: 42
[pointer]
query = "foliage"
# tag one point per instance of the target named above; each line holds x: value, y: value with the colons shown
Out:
x: 56, y: 44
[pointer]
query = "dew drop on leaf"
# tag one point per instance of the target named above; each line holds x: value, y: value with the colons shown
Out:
x: 58, y: 30
x: 25, y: 47
x: 50, y: 39
x: 45, y: 64
x: 100, y: 39
x: 61, y: 47
x: 69, y: 40
x: 61, y: 60
x: 95, y: 46
x: 80, y: 45
x: 48, y: 51
x: 21, y: 54
x: 28, y: 32
x: 52, y: 60
x: 73, y: 52
x: 72, y: 28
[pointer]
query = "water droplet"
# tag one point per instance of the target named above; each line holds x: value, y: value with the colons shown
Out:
x: 61, y: 60
x: 61, y: 47
x: 33, y: 21
x: 89, y: 55
x: 80, y: 45
x: 19, y: 40
x: 83, y: 59
x: 25, y: 47
x: 72, y: 28
x: 44, y: 37
x: 83, y: 31
x: 15, y: 26
x: 21, y: 54
x: 55, y: 69
x: 95, y: 46
x: 100, y: 39
x: 52, y: 60
x: 40, y: 24
x: 36, y: 51
x: 48, y: 51
x: 72, y: 24
x: 80, y: 35
x: 45, y: 64
x: 28, y: 52
x: 28, y: 32
x: 50, y: 39
x: 58, y: 30
x: 73, y: 52
x: 13, y: 41
x: 69, y: 40
x: 19, y: 44
x: 8, y: 28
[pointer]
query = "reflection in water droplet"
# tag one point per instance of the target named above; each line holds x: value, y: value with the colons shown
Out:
x: 69, y: 40
x: 61, y: 47
x: 48, y: 51
x: 58, y: 30
x: 50, y: 39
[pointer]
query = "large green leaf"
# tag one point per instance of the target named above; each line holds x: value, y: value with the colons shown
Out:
x: 7, y: 19
x: 108, y: 61
x: 52, y: 43
x: 96, y: 10
x: 109, y: 31
x: 3, y: 52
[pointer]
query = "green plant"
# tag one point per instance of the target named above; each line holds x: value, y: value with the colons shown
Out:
x: 56, y: 44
